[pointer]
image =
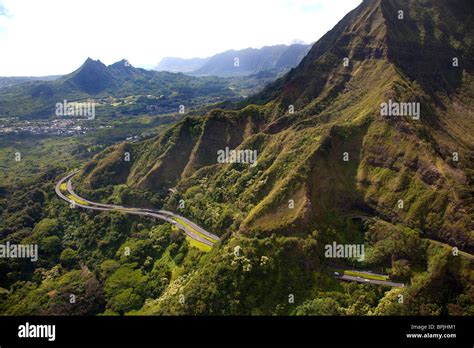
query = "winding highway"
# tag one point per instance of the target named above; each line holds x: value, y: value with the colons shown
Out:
x: 192, y: 230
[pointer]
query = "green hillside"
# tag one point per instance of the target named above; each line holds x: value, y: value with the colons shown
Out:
x: 300, y: 155
x: 330, y: 168
x: 122, y: 89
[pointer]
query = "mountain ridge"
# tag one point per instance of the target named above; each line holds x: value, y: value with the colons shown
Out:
x: 276, y: 58
x: 337, y: 111
x: 94, y: 79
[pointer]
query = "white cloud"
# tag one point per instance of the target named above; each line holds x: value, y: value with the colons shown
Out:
x: 56, y: 36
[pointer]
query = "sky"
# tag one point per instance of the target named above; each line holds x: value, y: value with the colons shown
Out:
x: 54, y: 37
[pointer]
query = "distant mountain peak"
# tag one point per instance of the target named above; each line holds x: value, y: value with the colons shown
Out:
x: 91, y: 62
x: 123, y: 63
x: 91, y: 77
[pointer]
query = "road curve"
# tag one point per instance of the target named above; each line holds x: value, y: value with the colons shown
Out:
x: 190, y: 228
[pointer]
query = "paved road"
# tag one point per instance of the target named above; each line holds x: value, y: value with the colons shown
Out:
x: 370, y: 281
x: 189, y: 227
x: 339, y: 275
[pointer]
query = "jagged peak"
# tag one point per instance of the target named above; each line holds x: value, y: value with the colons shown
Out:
x: 91, y: 62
